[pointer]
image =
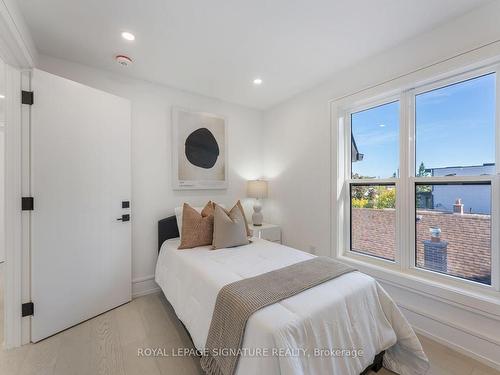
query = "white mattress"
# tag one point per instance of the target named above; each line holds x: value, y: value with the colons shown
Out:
x: 349, y: 312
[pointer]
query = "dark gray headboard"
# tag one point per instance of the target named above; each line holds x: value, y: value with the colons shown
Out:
x: 167, y: 229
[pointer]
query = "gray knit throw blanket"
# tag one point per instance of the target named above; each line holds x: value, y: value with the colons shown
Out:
x: 237, y: 301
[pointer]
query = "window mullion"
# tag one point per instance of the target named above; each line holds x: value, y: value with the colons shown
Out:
x: 407, y: 170
x: 400, y: 187
x: 410, y: 250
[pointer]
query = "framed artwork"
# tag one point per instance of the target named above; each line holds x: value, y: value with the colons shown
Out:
x: 199, y: 150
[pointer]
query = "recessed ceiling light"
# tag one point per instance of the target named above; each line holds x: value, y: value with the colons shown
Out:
x: 382, y: 125
x: 128, y: 36
x: 2, y: 96
x: 257, y: 81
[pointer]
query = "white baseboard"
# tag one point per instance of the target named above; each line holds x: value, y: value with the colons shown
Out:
x: 144, y: 285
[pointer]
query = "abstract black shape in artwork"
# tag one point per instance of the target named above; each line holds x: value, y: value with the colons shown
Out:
x: 201, y: 148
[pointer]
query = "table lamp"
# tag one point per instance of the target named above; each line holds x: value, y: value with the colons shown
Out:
x: 257, y: 189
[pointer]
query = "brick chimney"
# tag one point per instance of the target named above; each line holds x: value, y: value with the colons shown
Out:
x: 458, y: 207
x: 435, y: 252
x: 435, y: 234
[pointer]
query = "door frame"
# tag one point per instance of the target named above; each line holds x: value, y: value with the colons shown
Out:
x: 19, y: 55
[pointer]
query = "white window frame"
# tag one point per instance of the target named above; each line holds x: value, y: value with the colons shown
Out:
x: 404, y: 263
x: 349, y: 181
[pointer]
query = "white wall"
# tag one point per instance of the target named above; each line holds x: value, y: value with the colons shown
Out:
x: 2, y: 163
x: 2, y: 192
x: 152, y: 194
x: 298, y: 157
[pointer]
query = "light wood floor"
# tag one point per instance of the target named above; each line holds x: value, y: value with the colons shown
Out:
x: 108, y: 344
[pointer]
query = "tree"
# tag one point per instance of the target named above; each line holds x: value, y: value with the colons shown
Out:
x: 373, y: 197
x: 386, y: 199
x: 361, y: 191
x: 422, y: 171
x: 359, y: 203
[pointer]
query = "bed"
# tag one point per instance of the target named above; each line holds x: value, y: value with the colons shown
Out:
x: 304, y: 333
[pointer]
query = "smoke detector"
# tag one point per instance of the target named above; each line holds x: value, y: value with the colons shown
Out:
x: 123, y: 60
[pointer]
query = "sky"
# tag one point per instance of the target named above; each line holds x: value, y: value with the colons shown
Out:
x: 454, y: 125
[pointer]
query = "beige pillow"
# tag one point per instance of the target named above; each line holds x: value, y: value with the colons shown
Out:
x: 197, y: 228
x: 230, y: 228
x: 249, y: 234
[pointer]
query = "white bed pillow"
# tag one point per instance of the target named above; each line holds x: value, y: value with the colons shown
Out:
x: 178, y: 215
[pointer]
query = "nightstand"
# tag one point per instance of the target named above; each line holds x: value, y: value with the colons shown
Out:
x: 270, y: 232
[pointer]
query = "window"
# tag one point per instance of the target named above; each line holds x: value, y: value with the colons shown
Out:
x: 375, y: 142
x: 419, y: 181
x: 373, y: 220
x: 453, y: 235
x: 455, y: 129
x: 455, y: 137
x: 374, y: 157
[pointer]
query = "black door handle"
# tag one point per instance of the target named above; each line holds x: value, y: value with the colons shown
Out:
x: 125, y: 217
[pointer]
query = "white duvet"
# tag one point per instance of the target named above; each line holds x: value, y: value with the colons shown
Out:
x: 301, y: 334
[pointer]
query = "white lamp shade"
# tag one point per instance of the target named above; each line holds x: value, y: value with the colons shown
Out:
x: 257, y: 189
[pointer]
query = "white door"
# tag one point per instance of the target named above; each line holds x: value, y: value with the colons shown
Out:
x: 80, y: 174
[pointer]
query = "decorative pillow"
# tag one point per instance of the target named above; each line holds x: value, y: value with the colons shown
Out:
x: 249, y: 234
x: 178, y: 215
x: 230, y: 229
x: 197, y: 228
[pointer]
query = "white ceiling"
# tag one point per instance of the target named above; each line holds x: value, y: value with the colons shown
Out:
x: 217, y: 47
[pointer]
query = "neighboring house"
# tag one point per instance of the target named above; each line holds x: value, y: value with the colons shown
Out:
x: 442, y: 197
x: 355, y: 155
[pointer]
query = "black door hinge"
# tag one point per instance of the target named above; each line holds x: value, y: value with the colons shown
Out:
x: 27, y: 309
x: 27, y: 203
x: 27, y: 97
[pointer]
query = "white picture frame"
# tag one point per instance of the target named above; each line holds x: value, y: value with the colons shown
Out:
x: 206, y: 126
